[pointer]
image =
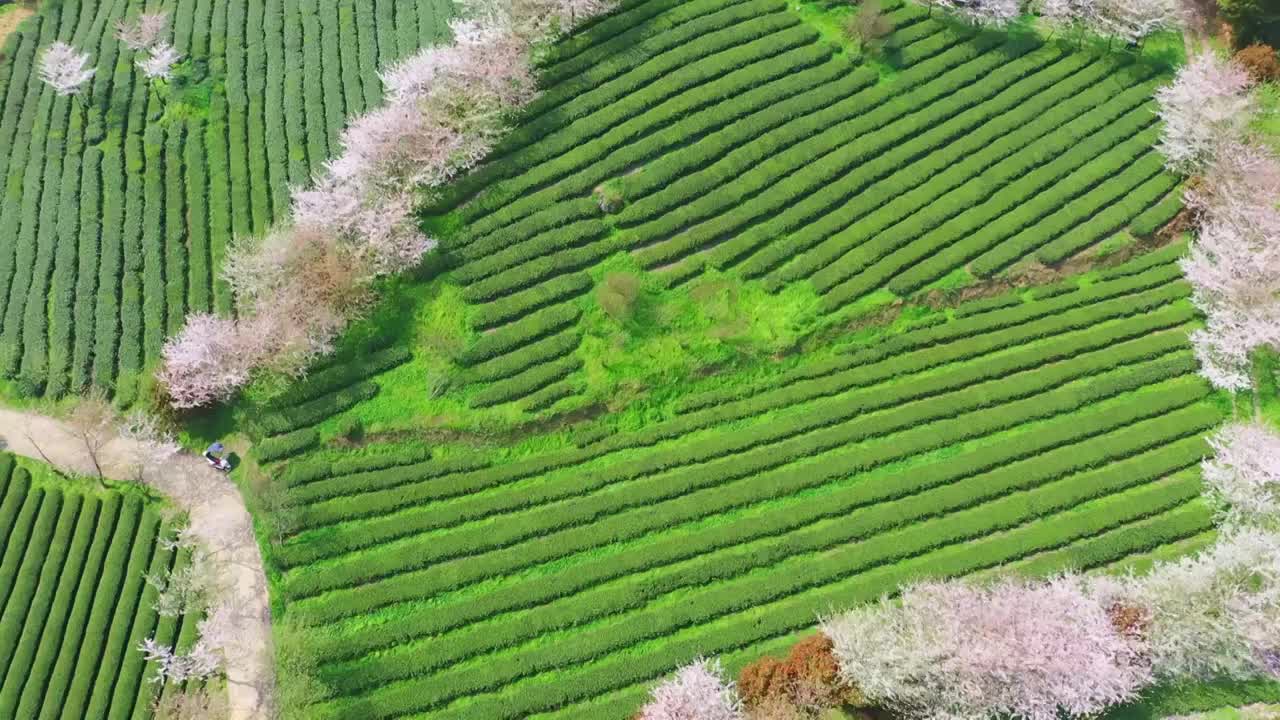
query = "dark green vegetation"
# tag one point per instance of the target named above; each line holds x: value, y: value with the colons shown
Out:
x: 116, y: 213
x: 73, y: 603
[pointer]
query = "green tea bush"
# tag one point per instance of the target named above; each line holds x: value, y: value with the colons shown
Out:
x: 287, y: 445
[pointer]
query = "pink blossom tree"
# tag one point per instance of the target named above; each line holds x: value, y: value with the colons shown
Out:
x: 300, y: 286
x: 697, y: 691
x: 1032, y: 650
x: 1234, y: 271
x: 1205, y: 106
x: 1243, y: 476
x: 65, y: 69
x: 208, y: 361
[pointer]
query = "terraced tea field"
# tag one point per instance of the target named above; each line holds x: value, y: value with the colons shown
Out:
x: 557, y: 576
x: 555, y: 551
x: 116, y: 214
x: 73, y: 602
x: 737, y: 138
x: 1063, y: 430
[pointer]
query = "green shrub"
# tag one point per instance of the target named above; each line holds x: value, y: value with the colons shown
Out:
x: 982, y: 305
x: 525, y: 382
x: 315, y: 411
x: 1158, y: 215
x: 39, y: 650
x: 287, y: 445
x: 1080, y: 104
x: 514, y: 336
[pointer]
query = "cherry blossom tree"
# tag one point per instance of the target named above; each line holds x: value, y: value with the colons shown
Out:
x: 144, y: 31
x: 1205, y: 106
x: 64, y: 68
x: 1240, y: 185
x: 697, y: 691
x: 209, y: 360
x: 159, y: 62
x: 1243, y: 476
x: 1133, y: 20
x: 197, y: 663
x: 1234, y: 271
x: 1065, y: 15
x: 152, y: 446
x: 1213, y: 615
x: 1032, y: 650
x: 987, y: 12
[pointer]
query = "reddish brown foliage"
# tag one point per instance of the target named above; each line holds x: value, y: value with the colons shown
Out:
x: 808, y: 677
x: 1129, y: 620
x: 763, y: 679
x: 1260, y: 62
x: 812, y: 659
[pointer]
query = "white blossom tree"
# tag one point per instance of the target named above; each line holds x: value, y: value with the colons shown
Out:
x: 1032, y: 650
x: 1243, y: 476
x: 1234, y: 271
x: 1205, y: 106
x: 159, y: 61
x: 65, y: 69
x: 1213, y: 615
x: 144, y: 31
x: 152, y: 446
x: 697, y: 691
x: 997, y: 13
x: 1066, y: 15
x: 199, y: 662
x: 1133, y: 20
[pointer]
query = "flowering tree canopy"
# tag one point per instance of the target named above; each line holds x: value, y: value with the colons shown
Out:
x: 697, y: 691
x: 960, y: 651
x: 1205, y: 106
x: 987, y: 12
x: 1243, y: 476
x: 144, y: 32
x: 159, y: 62
x: 64, y: 68
x: 1132, y: 20
x: 1213, y: 615
x: 208, y: 360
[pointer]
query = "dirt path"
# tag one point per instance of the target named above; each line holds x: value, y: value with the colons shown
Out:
x: 219, y: 520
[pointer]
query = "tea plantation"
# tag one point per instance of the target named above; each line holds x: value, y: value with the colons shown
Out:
x: 880, y: 317
x: 557, y: 571
x: 73, y: 601
x: 117, y: 212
